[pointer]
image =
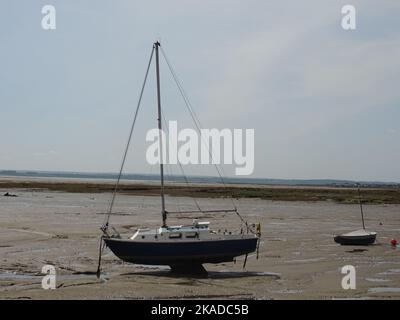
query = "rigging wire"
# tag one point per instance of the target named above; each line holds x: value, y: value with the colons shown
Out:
x: 104, y: 227
x: 143, y: 201
x: 191, y: 111
x: 180, y: 165
x: 107, y: 217
x: 198, y: 126
x: 169, y: 179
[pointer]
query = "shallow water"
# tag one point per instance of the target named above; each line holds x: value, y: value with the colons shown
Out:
x: 287, y: 291
x: 18, y: 276
x: 304, y: 260
x: 15, y: 276
x: 384, y: 290
x: 389, y: 272
x: 377, y: 280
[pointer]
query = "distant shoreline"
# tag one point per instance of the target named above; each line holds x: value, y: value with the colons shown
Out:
x: 345, y: 195
x: 106, y: 176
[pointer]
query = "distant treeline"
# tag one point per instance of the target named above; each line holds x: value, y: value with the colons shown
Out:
x: 277, y: 193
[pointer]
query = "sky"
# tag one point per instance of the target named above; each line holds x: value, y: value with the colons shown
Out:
x: 324, y: 102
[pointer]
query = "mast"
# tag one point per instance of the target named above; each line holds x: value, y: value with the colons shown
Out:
x: 362, y: 213
x: 163, y: 212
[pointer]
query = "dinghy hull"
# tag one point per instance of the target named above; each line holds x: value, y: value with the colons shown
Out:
x: 356, y: 240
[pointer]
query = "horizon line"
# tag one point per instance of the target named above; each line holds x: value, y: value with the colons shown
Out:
x: 241, y: 178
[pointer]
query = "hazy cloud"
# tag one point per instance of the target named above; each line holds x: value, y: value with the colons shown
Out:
x: 323, y: 101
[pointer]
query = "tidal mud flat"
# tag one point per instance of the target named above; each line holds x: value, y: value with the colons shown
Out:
x: 297, y: 260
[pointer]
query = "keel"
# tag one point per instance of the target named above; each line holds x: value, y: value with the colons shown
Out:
x: 189, y: 269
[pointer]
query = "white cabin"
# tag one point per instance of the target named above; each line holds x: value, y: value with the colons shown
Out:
x: 196, y: 231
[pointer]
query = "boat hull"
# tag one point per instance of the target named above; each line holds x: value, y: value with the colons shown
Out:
x: 180, y: 253
x: 355, y: 240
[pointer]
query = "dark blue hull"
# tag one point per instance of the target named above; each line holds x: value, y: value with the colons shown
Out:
x: 179, y: 253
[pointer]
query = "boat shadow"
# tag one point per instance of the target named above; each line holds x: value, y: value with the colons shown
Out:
x: 208, y: 275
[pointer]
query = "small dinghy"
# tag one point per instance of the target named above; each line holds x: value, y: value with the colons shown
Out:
x: 360, y: 237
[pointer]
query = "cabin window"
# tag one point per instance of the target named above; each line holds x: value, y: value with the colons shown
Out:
x: 175, y: 235
x: 143, y: 237
x: 191, y: 235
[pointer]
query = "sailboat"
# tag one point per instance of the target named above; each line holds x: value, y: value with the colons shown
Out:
x: 360, y: 237
x: 185, y: 248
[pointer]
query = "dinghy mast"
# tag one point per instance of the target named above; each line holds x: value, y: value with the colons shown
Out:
x: 362, y: 213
